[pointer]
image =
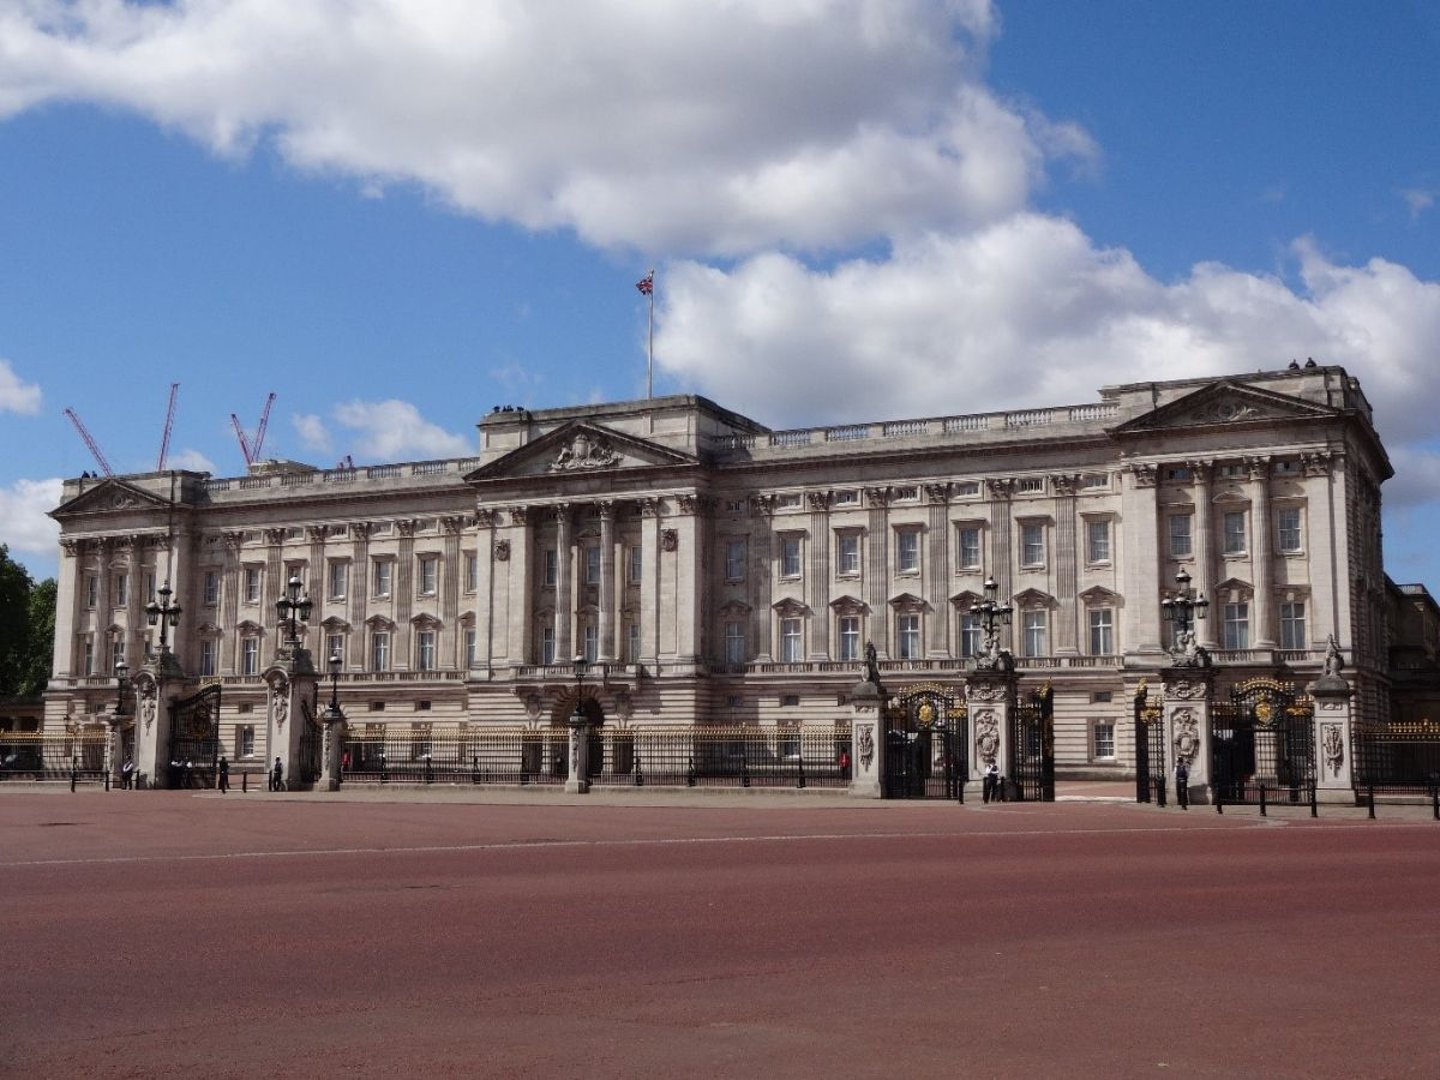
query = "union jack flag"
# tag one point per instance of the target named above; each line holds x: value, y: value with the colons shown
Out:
x: 646, y: 284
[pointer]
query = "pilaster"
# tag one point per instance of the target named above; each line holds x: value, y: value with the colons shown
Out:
x: 990, y: 701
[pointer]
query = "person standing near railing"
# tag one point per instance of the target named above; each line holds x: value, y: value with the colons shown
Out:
x: 1182, y: 784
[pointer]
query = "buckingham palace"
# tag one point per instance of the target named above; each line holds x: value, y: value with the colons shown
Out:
x: 668, y: 561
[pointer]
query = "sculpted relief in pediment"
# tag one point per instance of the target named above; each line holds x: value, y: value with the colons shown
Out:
x: 584, y: 451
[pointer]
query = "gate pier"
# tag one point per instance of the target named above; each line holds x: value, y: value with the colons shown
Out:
x: 1187, y: 725
x: 293, y: 730
x: 1331, y: 692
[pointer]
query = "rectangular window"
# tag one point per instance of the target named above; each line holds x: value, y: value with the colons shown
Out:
x: 547, y: 645
x: 92, y: 590
x: 971, y: 635
x: 429, y: 576
x: 1102, y: 632
x: 1287, y: 529
x: 147, y: 581
x: 1234, y: 522
x: 425, y: 650
x: 117, y: 654
x: 472, y: 572
x: 792, y: 644
x: 1180, y: 547
x: 734, y: 560
x: 907, y: 636
x: 471, y: 642
x: 250, y: 656
x: 207, y: 656
x: 592, y: 643
x: 735, y: 642
x: 907, y: 551
x: 790, y: 556
x: 334, y: 646
x: 88, y: 663
x: 1097, y: 541
x: 632, y: 641
x: 380, y: 650
x: 552, y: 567
x: 636, y: 565
x: 1104, y: 740
x: 211, y: 592
x: 1036, y: 636
x: 847, y: 553
x: 384, y: 568
x: 252, y: 584
x: 1292, y: 625
x: 970, y: 547
x: 1237, y: 626
x: 339, y: 582
x: 1030, y: 485
x: 850, y: 637
x: 592, y: 564
x: 122, y: 590
x: 1032, y: 545
x: 245, y: 740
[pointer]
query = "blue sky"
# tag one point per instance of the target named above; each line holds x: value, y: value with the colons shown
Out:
x: 396, y: 214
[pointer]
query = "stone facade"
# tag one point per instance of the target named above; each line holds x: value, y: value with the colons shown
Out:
x: 712, y: 569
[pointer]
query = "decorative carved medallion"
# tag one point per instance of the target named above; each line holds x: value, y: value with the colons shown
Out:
x: 865, y: 736
x: 670, y: 540
x: 1185, y: 689
x: 280, y: 700
x: 1227, y: 412
x: 1187, y: 735
x: 585, y: 451
x: 987, y: 735
x: 1144, y: 474
x: 502, y: 550
x: 1332, y: 744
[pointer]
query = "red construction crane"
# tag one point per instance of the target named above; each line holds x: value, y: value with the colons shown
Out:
x: 90, y: 442
x: 251, y: 450
x: 169, y: 423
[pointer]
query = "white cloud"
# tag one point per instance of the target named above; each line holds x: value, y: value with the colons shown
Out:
x: 395, y: 431
x: 193, y: 460
x: 24, y: 526
x: 16, y: 395
x: 1418, y: 200
x: 313, y: 433
x: 688, y: 125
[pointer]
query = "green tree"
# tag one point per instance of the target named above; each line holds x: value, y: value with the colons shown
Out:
x: 27, y: 629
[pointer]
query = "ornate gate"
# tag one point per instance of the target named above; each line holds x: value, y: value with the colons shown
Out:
x: 1032, y: 737
x: 926, y: 736
x: 195, y: 739
x: 312, y: 745
x: 1262, y: 744
x: 1150, y: 774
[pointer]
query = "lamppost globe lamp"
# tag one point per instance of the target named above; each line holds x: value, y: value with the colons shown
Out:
x: 1183, y: 609
x: 992, y: 615
x: 292, y: 609
x: 122, y: 686
x: 336, y: 662
x: 161, y: 612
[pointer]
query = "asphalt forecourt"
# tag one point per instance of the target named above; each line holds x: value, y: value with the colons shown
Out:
x: 165, y: 933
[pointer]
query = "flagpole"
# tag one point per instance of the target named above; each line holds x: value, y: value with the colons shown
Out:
x: 650, y: 352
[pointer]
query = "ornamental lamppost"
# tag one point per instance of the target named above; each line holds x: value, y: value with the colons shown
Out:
x: 1183, y: 609
x: 578, y: 780
x: 163, y: 613
x: 336, y: 662
x: 122, y: 687
x: 992, y: 615
x: 291, y: 610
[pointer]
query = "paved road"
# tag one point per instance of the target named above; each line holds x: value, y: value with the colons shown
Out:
x: 166, y: 934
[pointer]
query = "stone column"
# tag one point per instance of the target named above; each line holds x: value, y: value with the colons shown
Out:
x: 817, y: 576
x: 402, y: 652
x: 515, y: 550
x: 1260, y: 554
x: 877, y: 569
x: 230, y: 586
x: 1203, y: 581
x: 1188, y: 691
x: 686, y: 543
x: 66, y: 600
x: 451, y: 566
x: 359, y: 591
x: 990, y: 701
x: 998, y: 492
x: 566, y: 647
x: 937, y: 581
x: 1334, y: 780
x: 868, y: 702
x: 1068, y: 554
x: 605, y: 648
x: 1141, y: 525
x: 578, y: 782
x: 650, y: 591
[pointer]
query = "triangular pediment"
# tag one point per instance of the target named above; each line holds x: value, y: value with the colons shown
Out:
x: 109, y: 496
x: 1225, y: 403
x: 1099, y: 596
x: 908, y: 602
x: 1033, y: 598
x: 849, y: 605
x: 580, y: 449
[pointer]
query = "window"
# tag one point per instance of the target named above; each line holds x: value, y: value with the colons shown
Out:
x: 1030, y: 485
x: 849, y: 637
x: 89, y: 656
x: 211, y: 589
x: 907, y: 636
x: 1102, y: 632
x: 971, y: 635
x: 1097, y: 541
x: 1036, y: 638
x: 1234, y: 524
x: 907, y: 494
x: 592, y: 564
x: 384, y: 568
x: 122, y: 590
x: 252, y: 584
x: 380, y: 650
x: 92, y: 590
x: 969, y: 544
x: 968, y: 487
x: 339, y: 582
x: 847, y: 553
x: 207, y: 656
x: 790, y: 556
x: 147, y: 581
x: 245, y: 740
x: 547, y: 645
x: 425, y: 650
x: 1095, y: 481
x: 592, y: 643
x: 1292, y: 625
x: 1287, y: 528
x: 472, y: 572
x: 1104, y: 739
x: 552, y: 567
x: 635, y: 565
x: 907, y: 551
x: 789, y: 501
x: 734, y: 642
x: 334, y: 646
x: 250, y: 655
x: 734, y: 560
x: 471, y: 642
x: 632, y: 641
x: 1032, y: 545
x: 429, y: 577
x: 1180, y: 547
x: 847, y: 498
x: 792, y: 649
x: 1237, y: 626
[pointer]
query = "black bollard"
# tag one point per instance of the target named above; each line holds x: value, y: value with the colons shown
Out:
x: 1370, y: 791
x: 1262, y: 800
x: 1435, y: 801
x: 244, y: 783
x: 107, y: 779
x: 1314, y: 801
